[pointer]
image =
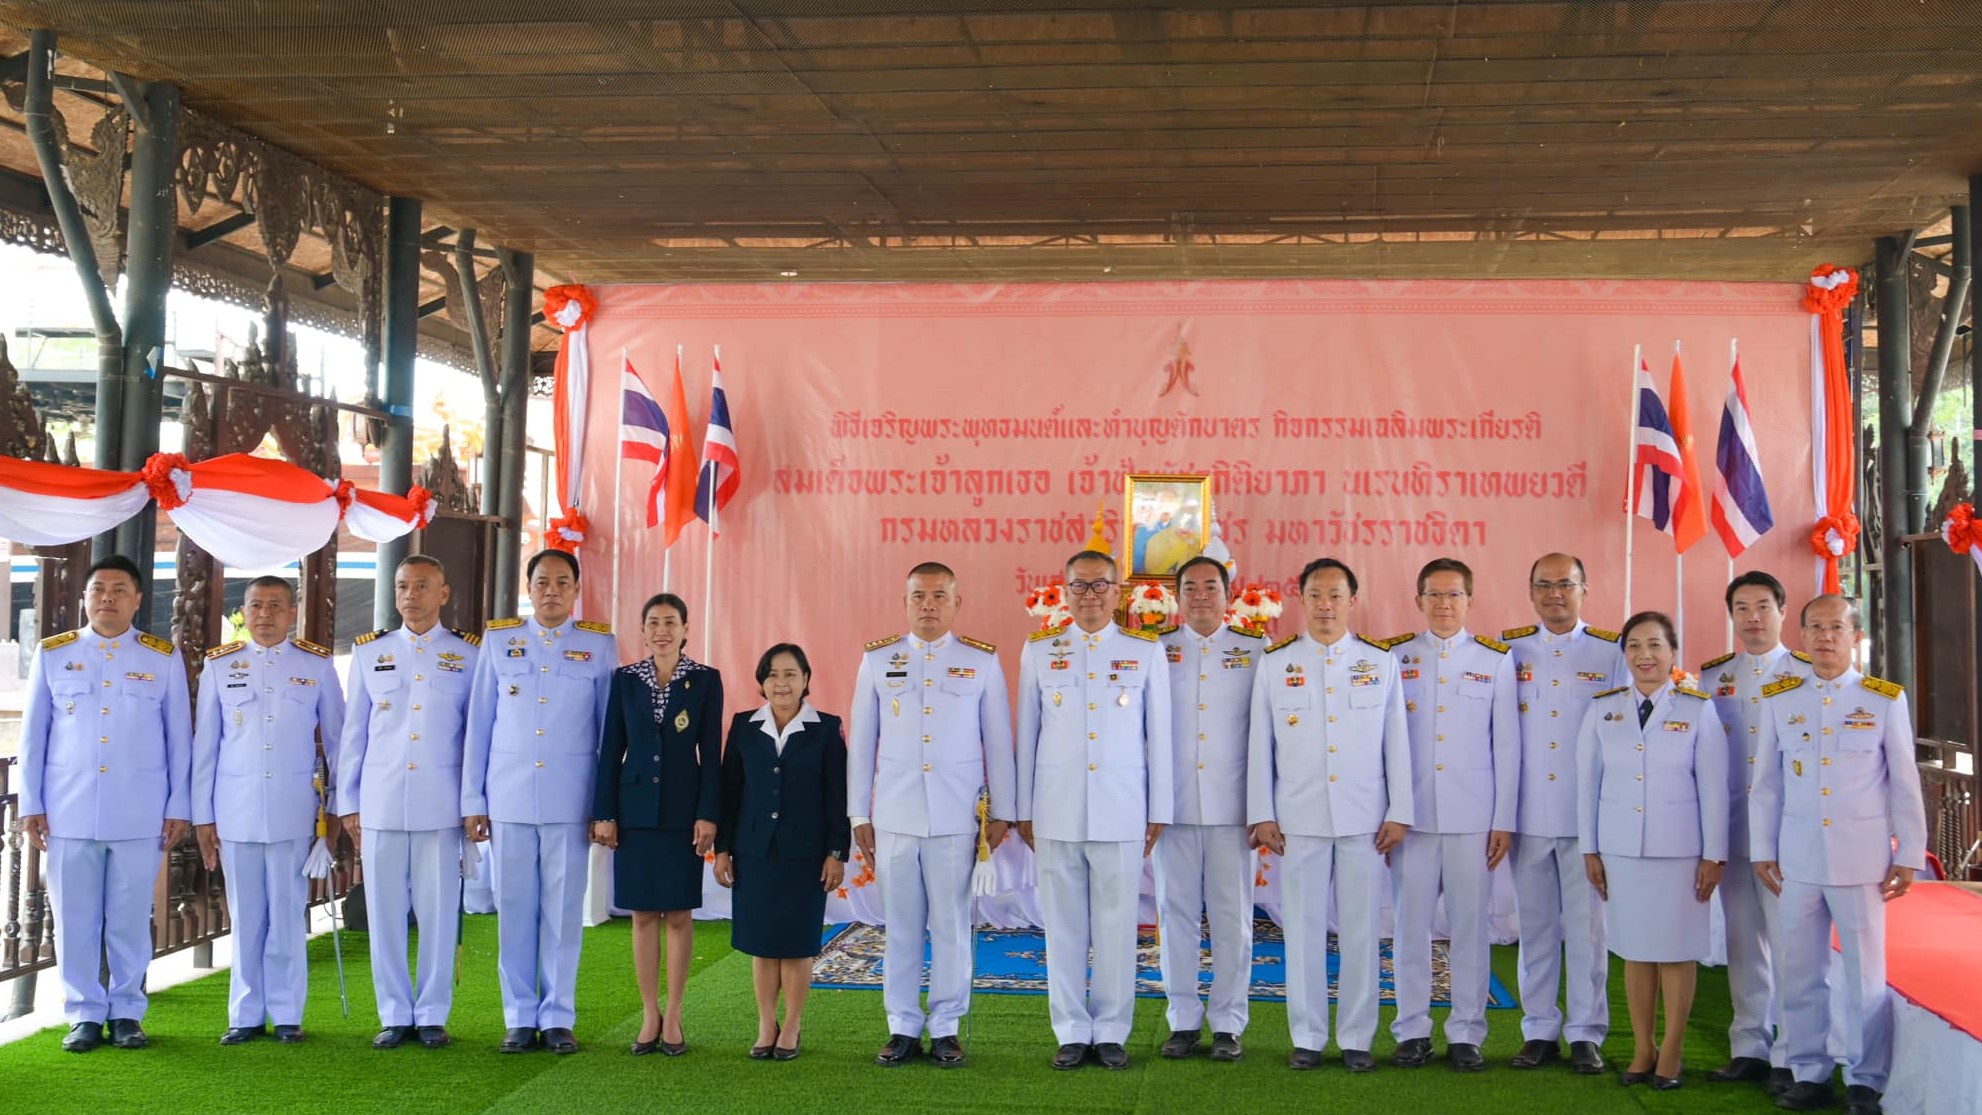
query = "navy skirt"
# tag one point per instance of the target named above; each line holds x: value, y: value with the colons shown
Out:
x: 656, y: 870
x: 778, y: 908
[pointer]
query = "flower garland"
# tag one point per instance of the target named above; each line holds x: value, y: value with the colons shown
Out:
x: 570, y: 307
x: 1835, y: 535
x: 1963, y: 532
x: 567, y: 532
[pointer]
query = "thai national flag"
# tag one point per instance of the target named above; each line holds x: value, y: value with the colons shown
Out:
x: 643, y: 433
x: 1741, y: 503
x: 722, y: 469
x: 1665, y: 487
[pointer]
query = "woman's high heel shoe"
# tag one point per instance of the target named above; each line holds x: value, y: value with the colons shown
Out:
x: 675, y: 1048
x: 1667, y: 1083
x: 780, y: 1053
x: 762, y: 1052
x: 1631, y: 1078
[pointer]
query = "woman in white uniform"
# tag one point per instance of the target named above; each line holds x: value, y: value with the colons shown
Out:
x: 1652, y: 773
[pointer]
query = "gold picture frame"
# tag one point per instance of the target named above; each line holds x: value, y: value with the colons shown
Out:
x: 1168, y: 513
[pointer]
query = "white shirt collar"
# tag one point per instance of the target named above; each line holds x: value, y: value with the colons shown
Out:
x: 762, y: 718
x: 1658, y: 696
x: 421, y: 640
x: 1761, y: 662
x: 1202, y: 640
x: 1339, y: 646
x: 1453, y: 643
x: 260, y: 649
x: 1571, y: 635
x: 1843, y: 681
x: 937, y: 643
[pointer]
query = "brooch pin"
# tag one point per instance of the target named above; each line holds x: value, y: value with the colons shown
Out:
x: 681, y: 721
x: 898, y: 660
x: 383, y: 658
x: 897, y: 705
x: 73, y: 666
x: 1796, y: 718
x: 1410, y: 706
x: 1362, y: 666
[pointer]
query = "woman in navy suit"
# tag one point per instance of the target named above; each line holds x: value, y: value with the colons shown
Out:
x: 1651, y: 769
x: 656, y: 799
x: 783, y: 840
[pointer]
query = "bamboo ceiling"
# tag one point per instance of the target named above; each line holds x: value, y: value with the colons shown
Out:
x: 654, y: 141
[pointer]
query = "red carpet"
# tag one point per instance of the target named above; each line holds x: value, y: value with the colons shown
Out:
x: 1931, y: 954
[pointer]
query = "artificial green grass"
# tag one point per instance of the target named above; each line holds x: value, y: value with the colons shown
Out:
x: 184, y: 1071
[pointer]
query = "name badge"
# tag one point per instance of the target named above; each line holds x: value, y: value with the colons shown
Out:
x: 514, y: 652
x: 1677, y: 726
x: 897, y: 673
x: 383, y: 668
x: 1409, y: 675
x: 1295, y: 681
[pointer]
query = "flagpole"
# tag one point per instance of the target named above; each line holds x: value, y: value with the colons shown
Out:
x: 619, y: 455
x: 1630, y: 472
x: 667, y: 551
x: 709, y: 548
x: 1678, y: 559
x: 1733, y: 362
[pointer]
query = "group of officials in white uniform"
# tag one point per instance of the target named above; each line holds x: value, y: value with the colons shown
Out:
x: 1406, y: 769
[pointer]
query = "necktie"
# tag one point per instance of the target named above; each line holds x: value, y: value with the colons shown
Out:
x: 1644, y: 711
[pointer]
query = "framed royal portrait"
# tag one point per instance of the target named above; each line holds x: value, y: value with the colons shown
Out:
x: 1165, y: 523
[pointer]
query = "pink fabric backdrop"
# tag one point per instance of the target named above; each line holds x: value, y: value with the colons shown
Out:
x: 1386, y: 423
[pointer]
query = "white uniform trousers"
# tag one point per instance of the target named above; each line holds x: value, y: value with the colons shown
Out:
x: 268, y: 901
x: 1559, y: 914
x: 540, y: 904
x: 1089, y: 890
x: 1351, y: 870
x: 1750, y: 912
x: 1205, y: 872
x: 1805, y: 914
x: 101, y: 891
x: 925, y: 887
x: 1455, y: 864
x: 418, y: 872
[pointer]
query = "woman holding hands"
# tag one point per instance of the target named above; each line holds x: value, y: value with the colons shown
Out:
x: 1652, y: 774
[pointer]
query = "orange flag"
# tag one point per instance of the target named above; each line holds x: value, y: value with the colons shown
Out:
x: 1689, y: 513
x: 681, y: 463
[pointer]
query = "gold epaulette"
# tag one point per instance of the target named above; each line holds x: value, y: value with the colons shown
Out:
x: 1800, y: 657
x: 1395, y: 641
x: 147, y: 639
x: 1782, y: 686
x: 1712, y: 662
x: 887, y: 642
x: 1248, y: 633
x: 1691, y: 692
x: 1494, y: 645
x: 62, y: 640
x: 468, y: 637
x: 311, y: 648
x: 1606, y: 636
x: 1139, y: 633
x: 978, y: 644
x: 1514, y: 633
x: 1608, y: 692
x: 230, y: 648
x: 1888, y: 689
x: 596, y: 627
x: 369, y: 636
x: 1282, y: 643
x: 1170, y: 630
x: 1046, y: 633
x: 504, y: 624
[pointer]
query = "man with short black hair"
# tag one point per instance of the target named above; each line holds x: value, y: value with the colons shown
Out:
x: 264, y: 704
x: 105, y: 767
x: 1094, y: 793
x: 1204, y: 863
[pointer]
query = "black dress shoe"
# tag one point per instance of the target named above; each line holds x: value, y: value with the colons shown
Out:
x: 1465, y: 1057
x: 82, y: 1037
x: 432, y: 1037
x: 1807, y: 1095
x: 1358, y: 1060
x: 1070, y: 1056
x: 1111, y: 1055
x: 289, y: 1035
x: 125, y: 1033
x: 947, y: 1052
x: 1741, y: 1070
x: 900, y: 1050
x: 1304, y: 1059
x: 1780, y: 1081
x: 780, y: 1053
x: 240, y: 1035
x: 1585, y: 1057
x: 392, y: 1037
x: 560, y: 1040
x: 1226, y: 1047
x: 1862, y: 1100
x: 1535, y: 1054
x: 1412, y: 1053
x: 522, y: 1039
x: 1180, y: 1044
x: 1632, y: 1079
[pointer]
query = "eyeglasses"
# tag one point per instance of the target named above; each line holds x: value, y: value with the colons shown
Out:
x: 1442, y: 597
x: 1556, y: 586
x: 1089, y: 588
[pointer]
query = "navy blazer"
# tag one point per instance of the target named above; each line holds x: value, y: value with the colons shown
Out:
x: 791, y: 806
x: 661, y: 776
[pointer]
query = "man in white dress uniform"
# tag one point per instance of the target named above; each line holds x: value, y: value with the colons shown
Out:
x: 1328, y: 789
x: 1094, y: 793
x: 930, y: 728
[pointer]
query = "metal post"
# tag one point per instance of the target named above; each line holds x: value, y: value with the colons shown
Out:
x: 1895, y: 390
x: 153, y: 225
x: 402, y: 332
x: 1975, y: 352
x: 1937, y: 368
x: 520, y: 269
